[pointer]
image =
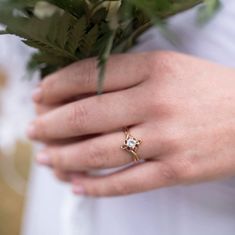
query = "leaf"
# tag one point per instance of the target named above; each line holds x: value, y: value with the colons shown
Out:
x: 42, y: 34
x: 50, y: 59
x: 208, y: 10
x: 88, y: 41
x: 74, y: 7
x: 75, y: 35
x: 89, y: 27
x: 65, y: 23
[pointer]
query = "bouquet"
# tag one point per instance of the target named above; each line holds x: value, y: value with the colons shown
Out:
x: 64, y: 31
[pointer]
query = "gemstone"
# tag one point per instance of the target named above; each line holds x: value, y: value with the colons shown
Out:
x: 131, y: 143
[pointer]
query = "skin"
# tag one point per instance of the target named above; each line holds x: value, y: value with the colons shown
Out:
x: 181, y: 107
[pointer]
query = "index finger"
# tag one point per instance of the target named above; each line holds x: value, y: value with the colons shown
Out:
x: 123, y: 71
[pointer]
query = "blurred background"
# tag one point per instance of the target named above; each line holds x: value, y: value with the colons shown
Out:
x: 15, y: 150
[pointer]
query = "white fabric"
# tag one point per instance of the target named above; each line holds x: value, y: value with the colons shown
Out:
x: 15, y: 98
x: 204, y: 209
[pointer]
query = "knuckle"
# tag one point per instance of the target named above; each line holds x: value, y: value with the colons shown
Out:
x: 120, y: 188
x: 59, y: 160
x: 78, y: 117
x: 170, y: 174
x: 180, y: 170
x: 186, y: 167
x: 163, y: 56
x: 95, y: 156
x: 163, y: 62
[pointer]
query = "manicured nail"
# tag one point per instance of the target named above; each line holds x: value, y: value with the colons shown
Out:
x: 37, y: 94
x: 78, y: 190
x: 31, y: 131
x: 44, y: 159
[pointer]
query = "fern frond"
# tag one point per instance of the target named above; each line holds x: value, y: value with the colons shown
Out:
x: 79, y: 29
x: 88, y: 41
x: 42, y: 34
x: 75, y: 35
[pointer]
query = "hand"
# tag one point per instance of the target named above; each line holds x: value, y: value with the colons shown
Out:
x: 182, y: 108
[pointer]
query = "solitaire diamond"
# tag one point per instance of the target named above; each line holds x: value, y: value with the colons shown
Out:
x: 131, y: 143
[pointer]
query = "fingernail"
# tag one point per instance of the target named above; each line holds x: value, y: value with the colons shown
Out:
x: 31, y: 131
x: 78, y: 190
x: 37, y: 94
x: 43, y: 158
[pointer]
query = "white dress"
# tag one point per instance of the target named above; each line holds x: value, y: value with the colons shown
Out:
x: 207, y: 208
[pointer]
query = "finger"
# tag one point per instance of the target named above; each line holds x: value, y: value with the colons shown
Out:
x: 135, y: 179
x: 122, y: 71
x: 93, y: 115
x: 102, y: 152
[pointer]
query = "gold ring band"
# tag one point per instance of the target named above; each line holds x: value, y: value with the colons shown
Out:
x: 131, y: 144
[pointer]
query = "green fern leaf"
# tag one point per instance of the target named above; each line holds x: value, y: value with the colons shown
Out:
x: 88, y: 41
x: 42, y: 34
x: 50, y: 59
x: 65, y: 22
x: 75, y: 35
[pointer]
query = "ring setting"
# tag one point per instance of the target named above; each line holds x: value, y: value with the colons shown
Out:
x: 131, y: 145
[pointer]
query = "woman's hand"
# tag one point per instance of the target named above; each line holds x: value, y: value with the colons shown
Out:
x: 182, y: 108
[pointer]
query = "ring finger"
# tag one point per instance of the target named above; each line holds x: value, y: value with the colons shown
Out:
x: 101, y: 152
